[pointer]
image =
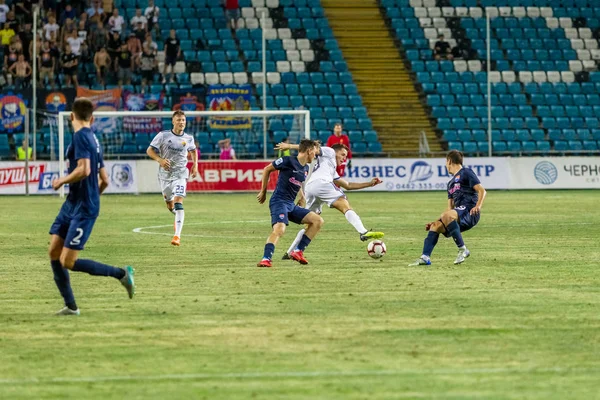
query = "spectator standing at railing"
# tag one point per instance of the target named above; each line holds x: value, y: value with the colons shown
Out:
x: 172, y: 53
x: 114, y: 49
x: 21, y: 151
x: 338, y: 137
x: 125, y: 64
x: 70, y: 66
x: 151, y: 13
x: 103, y: 63
x: 47, y: 63
x: 135, y: 49
x: 227, y: 151
x: 232, y: 11
x: 21, y: 72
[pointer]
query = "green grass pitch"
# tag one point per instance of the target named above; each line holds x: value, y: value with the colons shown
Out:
x: 518, y: 320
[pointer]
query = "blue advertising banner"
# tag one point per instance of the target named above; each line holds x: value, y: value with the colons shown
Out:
x: 229, y: 98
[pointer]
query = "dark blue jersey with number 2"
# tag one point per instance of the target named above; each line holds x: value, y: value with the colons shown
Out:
x: 84, y: 195
x: 291, y: 176
x: 461, y: 188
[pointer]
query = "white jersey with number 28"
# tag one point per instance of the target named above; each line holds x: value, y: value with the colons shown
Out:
x: 325, y: 167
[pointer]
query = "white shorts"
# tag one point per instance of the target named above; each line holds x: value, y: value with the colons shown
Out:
x: 171, y: 189
x: 321, y: 192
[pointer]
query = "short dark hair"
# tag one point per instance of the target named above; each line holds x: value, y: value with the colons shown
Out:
x: 306, y: 144
x: 83, y: 108
x: 177, y: 113
x: 338, y: 124
x: 455, y: 157
x: 340, y: 146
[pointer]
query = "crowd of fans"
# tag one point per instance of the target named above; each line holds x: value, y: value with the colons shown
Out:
x: 77, y: 33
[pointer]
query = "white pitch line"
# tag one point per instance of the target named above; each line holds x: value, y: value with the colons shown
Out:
x: 142, y: 229
x: 295, y: 374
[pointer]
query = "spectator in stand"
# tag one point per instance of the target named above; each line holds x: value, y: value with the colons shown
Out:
x: 172, y: 52
x: 102, y: 62
x: 4, y: 9
x: 442, y: 49
x: 114, y: 49
x: 116, y: 21
x: 140, y: 32
x: 67, y: 30
x: 138, y: 18
x: 47, y: 63
x: 232, y: 11
x: 11, y: 56
x: 11, y: 20
x: 74, y: 42
x: 21, y: 151
x: 99, y: 37
x: 151, y: 13
x: 82, y: 36
x: 338, y: 137
x: 70, y: 65
x: 151, y: 44
x: 125, y: 62
x: 21, y: 72
x: 24, y: 11
x: 96, y: 13
x: 135, y: 49
x: 68, y: 13
x: 6, y: 34
x: 51, y: 29
x: 26, y: 36
x: 227, y: 152
x: 148, y: 65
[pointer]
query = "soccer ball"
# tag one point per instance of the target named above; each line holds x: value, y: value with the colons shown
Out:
x: 376, y: 249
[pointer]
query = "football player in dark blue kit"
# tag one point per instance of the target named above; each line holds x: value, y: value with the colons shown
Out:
x: 87, y: 179
x: 465, y: 198
x: 292, y: 173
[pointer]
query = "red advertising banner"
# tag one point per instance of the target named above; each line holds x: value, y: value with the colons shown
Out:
x: 233, y: 176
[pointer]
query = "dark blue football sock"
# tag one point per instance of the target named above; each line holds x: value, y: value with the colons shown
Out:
x: 430, y: 242
x: 95, y: 268
x: 304, y: 242
x: 63, y: 283
x: 454, y: 231
x: 269, y: 250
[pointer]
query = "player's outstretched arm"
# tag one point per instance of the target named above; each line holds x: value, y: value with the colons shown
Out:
x: 287, y: 146
x: 357, y: 186
x: 482, y: 193
x: 262, y: 195
x: 81, y: 171
x: 103, y: 181
x: 166, y: 164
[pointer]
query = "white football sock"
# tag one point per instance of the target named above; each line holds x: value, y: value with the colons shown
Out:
x: 355, y: 221
x: 179, y: 217
x: 296, y: 241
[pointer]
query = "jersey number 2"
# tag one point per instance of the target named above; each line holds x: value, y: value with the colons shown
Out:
x: 77, y: 239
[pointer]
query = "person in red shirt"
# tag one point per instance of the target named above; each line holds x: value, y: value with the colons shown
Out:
x: 232, y: 11
x: 339, y: 138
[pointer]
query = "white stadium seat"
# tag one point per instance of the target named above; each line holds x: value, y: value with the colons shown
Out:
x: 416, y: 3
x: 505, y: 11
x: 577, y: 44
x: 575, y: 66
x: 240, y: 78
x: 257, y: 77
x: 540, y: 76
x: 519, y: 12
x: 525, y: 77
x: 565, y: 22
x: 495, y: 77
x: 591, y: 44
x: 303, y: 44
x: 584, y: 55
x: 298, y: 66
x: 462, y: 11
x: 251, y: 23
x: 429, y: 3
x: 247, y: 12
x: 179, y: 67
x: 553, y: 76
x: 509, y: 76
x: 421, y: 12
x: 273, y: 78
x: 589, y: 65
x: 546, y: 12
x: 258, y: 3
x: 474, y: 65
x: 476, y: 12
x: 211, y: 78
x: 533, y: 12
x: 267, y: 23
x: 308, y: 55
x: 585, y: 33
x: 283, y: 66
x: 567, y: 76
x: 571, y: 33
x: 289, y: 44
x: 439, y: 23
x: 460, y: 66
x: 284, y: 33
x: 431, y: 33
x: 226, y: 78
x: 197, y: 78
x: 425, y: 22
x: 270, y: 34
x: 552, y: 22
x: 272, y: 3
x: 160, y: 56
x: 434, y: 12
x: 448, y: 11
x: 595, y: 54
x: 293, y: 55
x: 492, y: 12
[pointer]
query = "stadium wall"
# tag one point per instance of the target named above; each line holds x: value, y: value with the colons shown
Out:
x: 398, y: 174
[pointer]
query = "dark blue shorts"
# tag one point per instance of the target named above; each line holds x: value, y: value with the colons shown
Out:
x: 285, y: 212
x: 74, y: 230
x: 465, y: 220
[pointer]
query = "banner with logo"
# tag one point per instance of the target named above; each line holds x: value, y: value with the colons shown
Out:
x: 53, y: 102
x: 189, y: 99
x: 555, y: 173
x: 104, y: 100
x: 13, y: 108
x: 142, y: 102
x: 425, y: 174
x: 229, y: 98
x: 122, y: 174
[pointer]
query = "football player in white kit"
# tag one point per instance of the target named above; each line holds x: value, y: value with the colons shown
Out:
x: 323, y: 187
x: 170, y: 149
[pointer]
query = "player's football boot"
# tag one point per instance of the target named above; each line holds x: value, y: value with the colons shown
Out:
x: 370, y: 235
x: 462, y: 255
x: 423, y: 260
x: 128, y: 282
x: 68, y: 311
x: 286, y: 256
x: 265, y: 263
x: 176, y: 241
x: 297, y: 255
